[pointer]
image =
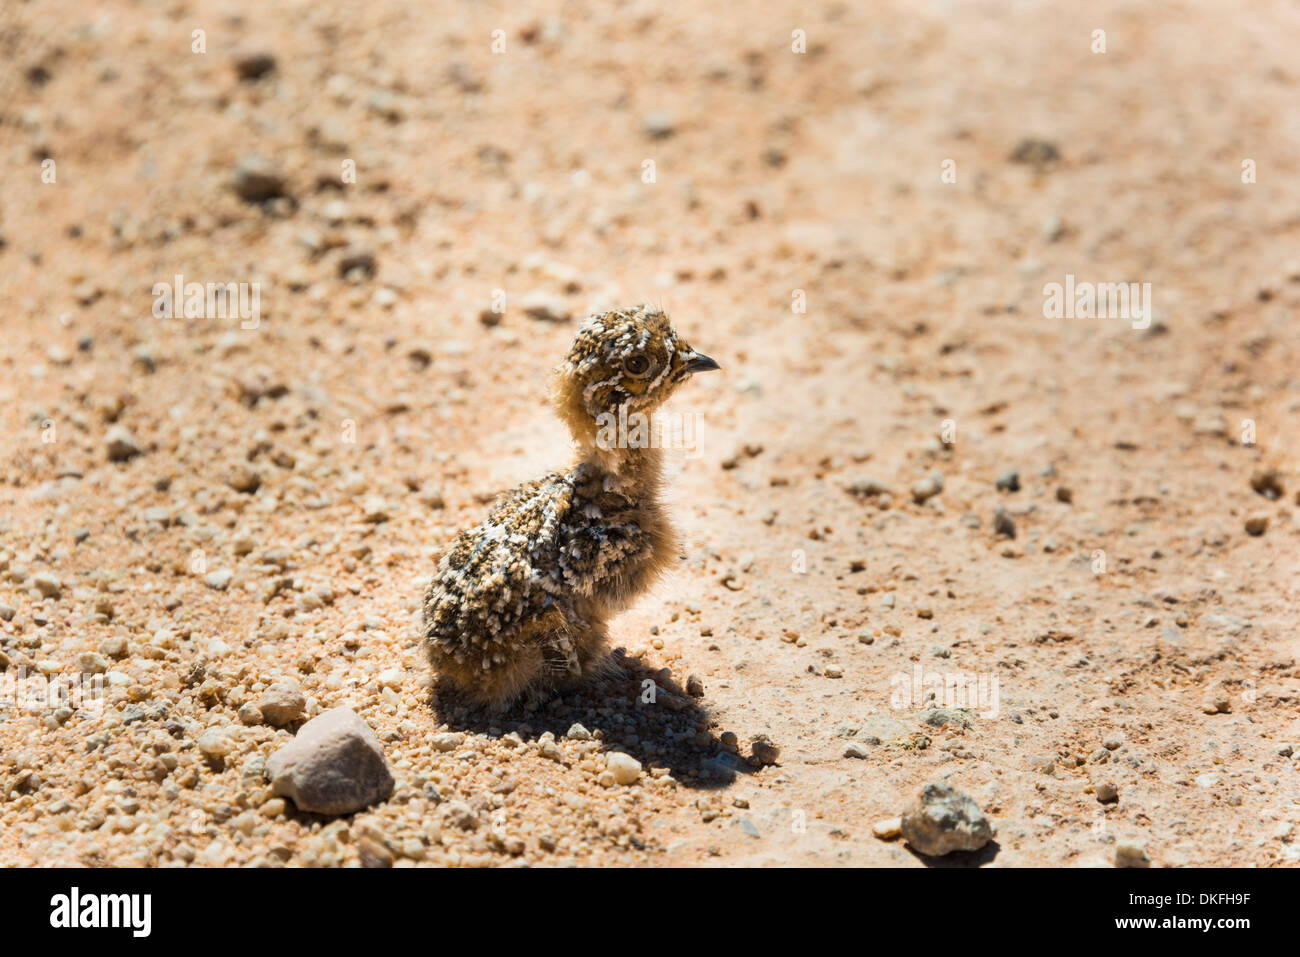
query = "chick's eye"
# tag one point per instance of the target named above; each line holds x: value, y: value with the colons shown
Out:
x: 636, y: 365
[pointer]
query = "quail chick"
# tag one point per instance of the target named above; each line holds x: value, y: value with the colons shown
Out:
x: 520, y: 604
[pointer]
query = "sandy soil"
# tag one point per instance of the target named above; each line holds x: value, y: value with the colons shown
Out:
x: 292, y: 484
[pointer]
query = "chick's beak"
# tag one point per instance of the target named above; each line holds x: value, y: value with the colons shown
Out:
x: 700, y: 363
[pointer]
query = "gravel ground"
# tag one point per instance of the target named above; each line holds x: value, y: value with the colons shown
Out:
x: 229, y: 521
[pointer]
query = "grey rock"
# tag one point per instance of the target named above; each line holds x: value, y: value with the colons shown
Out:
x: 335, y: 765
x: 938, y: 717
x: 1008, y: 481
x: 942, y: 820
x: 1003, y: 524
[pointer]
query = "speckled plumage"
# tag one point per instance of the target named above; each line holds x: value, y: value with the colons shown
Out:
x: 519, y: 604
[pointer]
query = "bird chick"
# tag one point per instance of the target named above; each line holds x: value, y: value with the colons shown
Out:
x: 520, y: 604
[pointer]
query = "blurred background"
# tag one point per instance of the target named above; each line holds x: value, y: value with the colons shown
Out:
x: 854, y: 207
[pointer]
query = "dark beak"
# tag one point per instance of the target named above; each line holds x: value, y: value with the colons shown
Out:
x: 701, y: 363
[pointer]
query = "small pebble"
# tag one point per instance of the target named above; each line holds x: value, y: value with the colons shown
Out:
x: 253, y: 64
x: 659, y: 126
x: 114, y: 646
x: 1268, y: 483
x: 888, y: 829
x: 91, y: 663
x: 1131, y: 855
x: 446, y: 741
x: 121, y: 445
x: 48, y: 585
x: 625, y: 768
x: 927, y: 488
x: 218, y: 580
x: 1218, y: 704
x: 281, y: 704
x: 214, y: 744
x: 763, y: 751
x: 257, y: 179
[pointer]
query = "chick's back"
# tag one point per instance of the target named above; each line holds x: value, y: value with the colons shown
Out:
x: 501, y: 573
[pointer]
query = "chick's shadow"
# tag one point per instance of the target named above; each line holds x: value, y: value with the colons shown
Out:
x: 636, y: 709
